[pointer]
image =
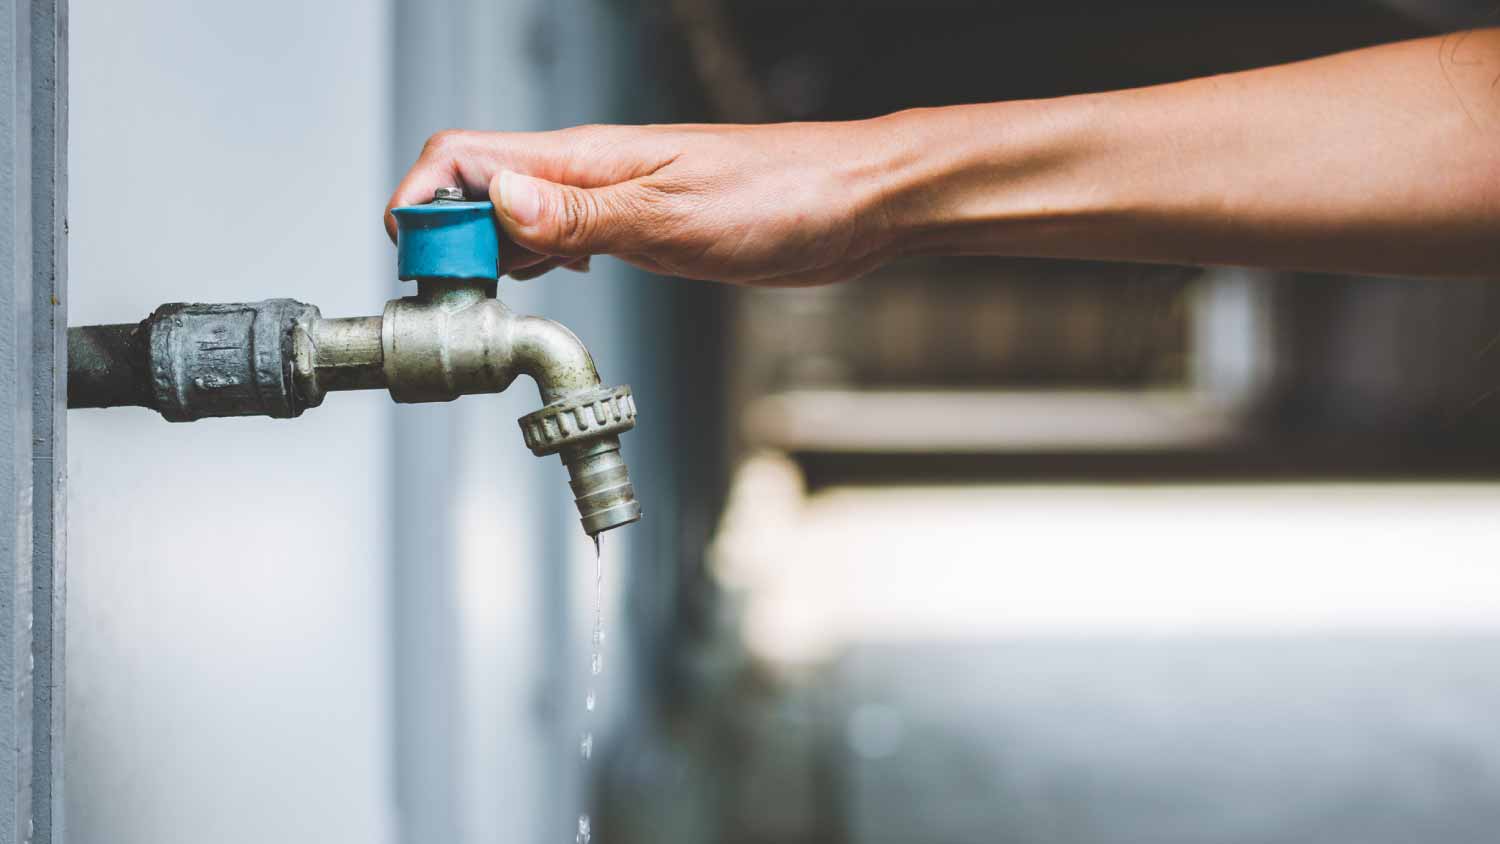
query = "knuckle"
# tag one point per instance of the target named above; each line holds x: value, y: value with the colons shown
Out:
x: 444, y: 141
x: 589, y: 139
x: 580, y: 218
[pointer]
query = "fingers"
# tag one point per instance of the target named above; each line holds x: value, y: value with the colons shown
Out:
x: 577, y: 265
x: 442, y: 164
x: 436, y: 167
x: 514, y: 259
x: 562, y: 220
x: 536, y: 270
x: 417, y: 189
x: 586, y: 156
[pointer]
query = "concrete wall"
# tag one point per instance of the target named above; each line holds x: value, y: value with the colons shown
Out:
x: 227, y: 626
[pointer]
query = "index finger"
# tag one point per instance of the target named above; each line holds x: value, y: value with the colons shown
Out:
x: 417, y: 187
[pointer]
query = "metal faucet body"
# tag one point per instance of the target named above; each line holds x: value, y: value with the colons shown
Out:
x: 453, y: 338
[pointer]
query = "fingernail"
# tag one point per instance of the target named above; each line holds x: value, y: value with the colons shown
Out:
x: 579, y: 266
x: 519, y: 198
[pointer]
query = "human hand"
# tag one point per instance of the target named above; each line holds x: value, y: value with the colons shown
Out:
x: 1288, y: 167
x: 777, y: 205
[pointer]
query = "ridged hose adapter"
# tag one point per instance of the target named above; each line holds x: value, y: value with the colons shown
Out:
x: 584, y: 430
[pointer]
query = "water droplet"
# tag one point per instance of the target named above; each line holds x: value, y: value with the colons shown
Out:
x: 596, y: 667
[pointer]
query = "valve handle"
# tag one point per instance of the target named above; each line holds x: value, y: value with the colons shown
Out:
x: 447, y: 239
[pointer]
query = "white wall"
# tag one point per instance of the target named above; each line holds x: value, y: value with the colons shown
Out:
x: 227, y: 675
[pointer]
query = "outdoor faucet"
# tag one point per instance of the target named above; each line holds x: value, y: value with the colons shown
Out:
x: 455, y: 337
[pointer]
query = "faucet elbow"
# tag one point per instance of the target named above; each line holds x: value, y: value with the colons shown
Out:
x: 553, y: 356
x: 459, y: 342
x: 580, y: 421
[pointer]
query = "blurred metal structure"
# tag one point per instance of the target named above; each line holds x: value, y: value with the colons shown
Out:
x: 33, y: 318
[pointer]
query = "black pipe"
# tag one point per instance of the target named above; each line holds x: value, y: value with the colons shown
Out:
x: 109, y: 366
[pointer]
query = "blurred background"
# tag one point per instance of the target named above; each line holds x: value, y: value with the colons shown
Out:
x: 970, y: 550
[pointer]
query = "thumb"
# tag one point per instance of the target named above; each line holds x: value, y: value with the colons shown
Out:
x: 555, y: 219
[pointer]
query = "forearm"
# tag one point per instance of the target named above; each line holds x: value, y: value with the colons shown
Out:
x: 1384, y: 160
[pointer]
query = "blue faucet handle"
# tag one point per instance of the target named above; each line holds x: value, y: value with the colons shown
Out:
x: 447, y: 239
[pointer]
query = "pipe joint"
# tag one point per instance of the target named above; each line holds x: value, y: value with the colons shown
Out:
x: 445, y: 343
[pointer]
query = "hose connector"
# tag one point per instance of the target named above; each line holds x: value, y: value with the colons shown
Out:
x: 584, y: 428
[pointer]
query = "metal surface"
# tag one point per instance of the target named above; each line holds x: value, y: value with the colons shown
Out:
x: 601, y: 485
x: 578, y: 418
x: 33, y: 252
x: 109, y: 366
x: 225, y: 360
x: 583, y: 429
x: 279, y: 357
x: 338, y: 354
x: 453, y: 339
x: 194, y: 361
x: 451, y: 342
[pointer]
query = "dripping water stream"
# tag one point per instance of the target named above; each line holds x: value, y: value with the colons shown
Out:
x: 596, y: 667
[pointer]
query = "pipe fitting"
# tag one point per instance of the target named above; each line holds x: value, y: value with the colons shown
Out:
x: 584, y: 429
x: 447, y: 342
x: 446, y: 345
x: 192, y: 362
x: 583, y: 416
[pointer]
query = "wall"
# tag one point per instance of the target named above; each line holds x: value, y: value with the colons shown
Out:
x: 491, y: 576
x: 227, y: 637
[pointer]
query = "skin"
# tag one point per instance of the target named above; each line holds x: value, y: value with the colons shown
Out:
x: 1381, y: 161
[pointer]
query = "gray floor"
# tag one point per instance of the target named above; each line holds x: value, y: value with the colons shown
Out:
x: 1362, y: 739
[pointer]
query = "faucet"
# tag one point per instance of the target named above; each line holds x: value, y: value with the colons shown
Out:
x: 455, y: 337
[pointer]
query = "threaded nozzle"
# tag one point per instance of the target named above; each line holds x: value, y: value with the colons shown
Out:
x: 601, y: 485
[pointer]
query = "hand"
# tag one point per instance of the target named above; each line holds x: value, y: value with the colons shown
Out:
x: 783, y: 205
x: 1381, y: 161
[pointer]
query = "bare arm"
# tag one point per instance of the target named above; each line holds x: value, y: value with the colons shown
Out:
x: 1385, y: 160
